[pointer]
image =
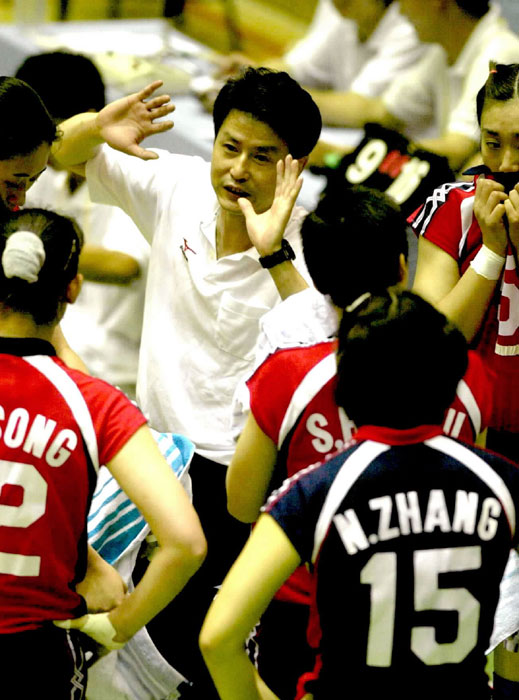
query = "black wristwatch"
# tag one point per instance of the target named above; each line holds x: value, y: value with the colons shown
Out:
x: 280, y: 256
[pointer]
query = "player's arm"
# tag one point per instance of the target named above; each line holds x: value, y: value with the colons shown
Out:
x: 150, y: 483
x: 464, y: 300
x: 98, y: 264
x: 351, y: 110
x: 266, y: 561
x: 266, y: 230
x: 249, y: 472
x: 122, y: 124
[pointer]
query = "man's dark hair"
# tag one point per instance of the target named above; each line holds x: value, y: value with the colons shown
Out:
x: 26, y: 122
x: 68, y: 83
x: 400, y: 361
x: 502, y: 85
x: 276, y: 99
x: 352, y: 243
x: 474, y: 8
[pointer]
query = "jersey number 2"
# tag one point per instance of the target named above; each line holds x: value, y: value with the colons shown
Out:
x: 381, y: 574
x: 31, y: 508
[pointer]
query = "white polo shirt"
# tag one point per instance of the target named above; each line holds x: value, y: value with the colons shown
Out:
x: 433, y: 98
x: 201, y: 316
x: 333, y: 57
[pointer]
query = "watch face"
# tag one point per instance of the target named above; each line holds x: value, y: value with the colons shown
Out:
x: 508, y: 180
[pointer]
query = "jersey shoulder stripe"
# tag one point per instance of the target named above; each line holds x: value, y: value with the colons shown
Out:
x: 467, y: 398
x: 309, y: 387
x: 350, y: 471
x: 439, y: 196
x: 66, y: 386
x: 481, y: 469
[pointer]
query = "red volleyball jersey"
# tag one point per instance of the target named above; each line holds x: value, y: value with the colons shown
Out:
x: 56, y: 426
x: 447, y: 220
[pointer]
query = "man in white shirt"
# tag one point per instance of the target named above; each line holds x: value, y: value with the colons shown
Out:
x: 210, y: 279
x: 356, y: 55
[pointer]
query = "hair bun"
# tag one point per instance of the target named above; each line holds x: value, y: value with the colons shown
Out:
x: 23, y: 256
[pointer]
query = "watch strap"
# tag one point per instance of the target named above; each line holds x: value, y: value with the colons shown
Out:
x: 279, y: 256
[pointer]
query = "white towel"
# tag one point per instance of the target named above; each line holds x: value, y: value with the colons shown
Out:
x: 506, y: 620
x: 116, y: 529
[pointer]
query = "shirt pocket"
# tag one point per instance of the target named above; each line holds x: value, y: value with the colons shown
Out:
x: 237, y: 326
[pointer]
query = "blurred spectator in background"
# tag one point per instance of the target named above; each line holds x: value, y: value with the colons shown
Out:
x: 352, y: 50
x: 104, y: 325
x: 434, y: 101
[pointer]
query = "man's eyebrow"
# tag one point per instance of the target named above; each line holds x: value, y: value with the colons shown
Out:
x: 29, y: 175
x: 267, y: 149
x: 496, y: 134
x: 264, y: 149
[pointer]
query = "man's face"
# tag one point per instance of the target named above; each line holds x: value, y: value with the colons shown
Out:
x: 17, y: 174
x: 244, y: 161
x: 423, y: 15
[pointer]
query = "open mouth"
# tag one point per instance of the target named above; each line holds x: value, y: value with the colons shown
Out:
x: 236, y: 191
x: 12, y: 202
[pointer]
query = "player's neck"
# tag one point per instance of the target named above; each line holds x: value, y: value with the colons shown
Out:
x: 18, y: 325
x: 231, y: 234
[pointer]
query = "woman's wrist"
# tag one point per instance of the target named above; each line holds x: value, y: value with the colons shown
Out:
x: 488, y: 263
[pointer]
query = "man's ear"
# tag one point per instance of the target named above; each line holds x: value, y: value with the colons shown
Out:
x: 73, y: 289
x: 302, y: 163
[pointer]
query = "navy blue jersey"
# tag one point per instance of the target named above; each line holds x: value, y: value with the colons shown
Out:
x: 408, y: 534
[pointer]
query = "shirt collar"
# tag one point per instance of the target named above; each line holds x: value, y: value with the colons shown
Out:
x: 391, y: 436
x: 26, y: 346
x: 208, y: 229
x: 208, y: 225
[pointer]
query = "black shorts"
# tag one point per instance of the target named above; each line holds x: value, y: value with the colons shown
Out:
x: 43, y: 663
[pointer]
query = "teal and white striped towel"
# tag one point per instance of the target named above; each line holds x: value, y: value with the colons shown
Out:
x: 115, y: 525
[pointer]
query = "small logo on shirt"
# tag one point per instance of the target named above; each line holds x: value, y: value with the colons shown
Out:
x: 185, y: 248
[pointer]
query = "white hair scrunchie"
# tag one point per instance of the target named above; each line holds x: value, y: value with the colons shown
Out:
x: 23, y: 256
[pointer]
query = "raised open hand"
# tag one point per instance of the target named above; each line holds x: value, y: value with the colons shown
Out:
x: 266, y: 229
x: 124, y: 123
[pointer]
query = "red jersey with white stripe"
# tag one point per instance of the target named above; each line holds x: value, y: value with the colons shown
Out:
x: 407, y: 534
x: 447, y: 220
x: 56, y: 426
x: 292, y: 400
